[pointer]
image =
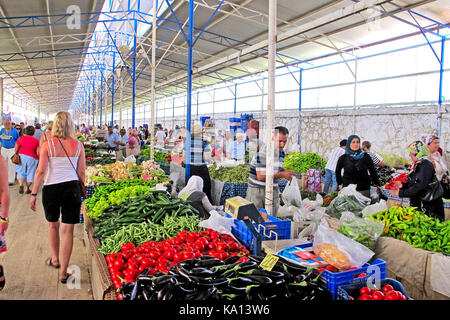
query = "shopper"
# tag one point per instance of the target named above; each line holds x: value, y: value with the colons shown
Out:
x: 38, y: 131
x: 101, y: 133
x: 422, y: 173
x: 8, y: 139
x: 4, y: 214
x: 62, y: 163
x: 193, y: 192
x: 237, y: 151
x: 227, y: 144
x: 133, y: 144
x: 27, y: 148
x: 19, y: 130
x: 160, y: 137
x: 47, y: 134
x: 116, y: 129
x: 376, y: 159
x: 112, y: 139
x: 200, y: 156
x: 330, y: 168
x: 358, y: 168
x: 123, y: 139
x: 256, y: 191
x: 442, y: 174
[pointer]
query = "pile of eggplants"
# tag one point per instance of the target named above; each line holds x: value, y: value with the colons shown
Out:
x: 209, y: 278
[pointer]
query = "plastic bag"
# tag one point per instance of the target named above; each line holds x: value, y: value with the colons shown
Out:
x: 307, y: 234
x: 374, y: 208
x: 291, y: 194
x: 338, y: 250
x: 218, y: 223
x: 174, y: 178
x: 129, y: 159
x: 362, y: 230
x: 348, y: 199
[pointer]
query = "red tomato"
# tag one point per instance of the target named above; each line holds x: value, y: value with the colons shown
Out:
x: 387, y: 288
x: 221, y: 247
x: 127, y: 246
x: 188, y: 255
x: 373, y: 290
x: 154, y: 255
x: 146, y: 263
x: 130, y: 279
x: 243, y: 259
x: 352, y: 268
x: 402, y: 296
x: 365, y: 297
x: 390, y: 296
x: 364, y: 290
x: 211, y: 245
x: 203, y: 241
x: 192, y: 236
x: 178, y: 256
x: 119, y: 296
x: 128, y: 254
x: 118, y: 265
x: 168, y: 254
x: 362, y: 275
x: 225, y: 255
x: 378, y: 295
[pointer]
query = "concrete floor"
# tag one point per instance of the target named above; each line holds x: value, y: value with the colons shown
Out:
x: 27, y: 276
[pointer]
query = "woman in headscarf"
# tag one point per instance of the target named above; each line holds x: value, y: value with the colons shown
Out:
x: 133, y: 144
x: 193, y: 192
x: 422, y: 173
x: 358, y: 168
x: 432, y: 144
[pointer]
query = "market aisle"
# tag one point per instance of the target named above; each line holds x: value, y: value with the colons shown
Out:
x: 27, y: 276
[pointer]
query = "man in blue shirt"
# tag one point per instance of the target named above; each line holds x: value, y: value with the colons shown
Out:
x: 238, y: 150
x: 8, y: 138
x: 112, y: 139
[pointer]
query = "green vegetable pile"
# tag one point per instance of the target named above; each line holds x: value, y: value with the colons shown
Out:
x: 362, y: 230
x: 392, y: 160
x: 298, y: 162
x: 102, y: 161
x: 384, y: 175
x: 344, y: 203
x: 237, y: 174
x: 416, y: 228
x: 308, y: 194
x: 138, y: 233
x: 101, y: 180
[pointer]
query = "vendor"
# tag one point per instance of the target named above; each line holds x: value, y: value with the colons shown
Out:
x: 256, y: 191
x: 200, y: 156
x: 122, y: 143
x: 193, y: 192
x: 358, y: 168
x: 100, y: 133
x: 112, y: 139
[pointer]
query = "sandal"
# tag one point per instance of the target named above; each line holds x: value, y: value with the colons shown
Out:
x: 2, y: 278
x: 21, y: 189
x: 64, y: 280
x: 49, y: 263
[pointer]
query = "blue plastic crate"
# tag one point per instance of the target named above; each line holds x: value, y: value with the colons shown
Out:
x: 281, y: 227
x: 335, y: 279
x: 344, y: 292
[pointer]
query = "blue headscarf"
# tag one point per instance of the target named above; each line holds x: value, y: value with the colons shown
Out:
x: 358, y: 154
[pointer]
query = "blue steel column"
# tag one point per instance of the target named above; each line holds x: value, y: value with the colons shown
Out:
x: 101, y: 98
x: 189, y: 91
x: 93, y: 102
x: 300, y: 108
x: 112, y: 88
x: 133, y: 107
x: 89, y: 110
x: 441, y: 73
x: 197, y: 103
x: 235, y: 97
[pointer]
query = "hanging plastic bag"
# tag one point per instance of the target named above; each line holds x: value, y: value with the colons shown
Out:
x: 218, y: 223
x: 291, y: 194
x: 374, y: 208
x: 348, y: 199
x: 362, y: 230
x: 307, y: 234
x: 129, y: 159
x: 338, y: 250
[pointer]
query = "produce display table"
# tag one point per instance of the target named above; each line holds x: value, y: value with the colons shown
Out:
x: 102, y: 285
x: 425, y: 275
x: 221, y: 191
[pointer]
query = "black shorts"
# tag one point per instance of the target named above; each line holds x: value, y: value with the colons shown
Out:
x: 62, y: 199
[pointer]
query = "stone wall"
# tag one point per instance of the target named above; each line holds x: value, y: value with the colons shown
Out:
x: 389, y: 130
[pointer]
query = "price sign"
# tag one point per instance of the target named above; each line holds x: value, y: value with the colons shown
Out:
x: 268, y: 262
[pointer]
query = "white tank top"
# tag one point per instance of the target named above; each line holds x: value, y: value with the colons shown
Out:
x: 59, y: 168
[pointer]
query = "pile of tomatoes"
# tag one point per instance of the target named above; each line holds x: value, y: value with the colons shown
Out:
x: 387, y: 292
x: 127, y: 264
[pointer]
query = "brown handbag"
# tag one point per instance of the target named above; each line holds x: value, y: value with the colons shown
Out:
x: 16, y: 158
x: 82, y: 185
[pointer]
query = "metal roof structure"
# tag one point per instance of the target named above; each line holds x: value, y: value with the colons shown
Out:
x: 57, y: 67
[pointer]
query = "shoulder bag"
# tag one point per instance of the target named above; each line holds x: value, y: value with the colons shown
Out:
x: 82, y: 185
x: 433, y: 191
x: 16, y: 157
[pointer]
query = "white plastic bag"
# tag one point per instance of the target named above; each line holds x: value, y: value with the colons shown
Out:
x: 363, y: 230
x: 338, y: 250
x: 348, y: 199
x: 291, y: 194
x: 307, y: 234
x: 174, y: 178
x: 374, y: 208
x: 218, y: 223
x: 129, y: 159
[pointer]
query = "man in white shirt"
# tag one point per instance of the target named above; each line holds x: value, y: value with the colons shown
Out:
x: 330, y: 168
x: 122, y: 143
x: 160, y: 137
